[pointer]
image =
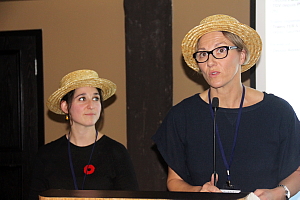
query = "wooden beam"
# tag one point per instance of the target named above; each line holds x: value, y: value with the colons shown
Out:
x: 148, y: 29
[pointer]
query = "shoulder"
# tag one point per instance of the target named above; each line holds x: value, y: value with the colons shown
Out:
x: 192, y: 99
x: 109, y: 141
x: 53, y: 148
x: 277, y: 101
x: 189, y: 103
x: 113, y: 148
x: 111, y: 144
x: 277, y: 107
x: 188, y: 107
x: 254, y: 97
x: 54, y: 144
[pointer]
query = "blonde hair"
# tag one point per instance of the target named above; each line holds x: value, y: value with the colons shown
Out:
x: 237, y: 41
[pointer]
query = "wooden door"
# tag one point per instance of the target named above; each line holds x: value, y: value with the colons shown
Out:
x: 21, y: 109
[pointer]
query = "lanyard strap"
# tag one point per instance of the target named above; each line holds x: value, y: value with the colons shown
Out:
x: 226, y: 163
x: 71, y: 162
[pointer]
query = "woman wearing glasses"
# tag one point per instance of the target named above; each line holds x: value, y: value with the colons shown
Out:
x: 245, y: 140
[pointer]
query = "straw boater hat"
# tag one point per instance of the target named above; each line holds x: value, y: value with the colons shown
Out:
x: 77, y: 79
x: 221, y: 23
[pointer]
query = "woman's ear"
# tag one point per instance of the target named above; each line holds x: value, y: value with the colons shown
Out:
x: 243, y: 57
x: 64, y: 107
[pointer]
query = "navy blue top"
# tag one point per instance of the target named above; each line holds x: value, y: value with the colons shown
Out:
x: 267, y: 148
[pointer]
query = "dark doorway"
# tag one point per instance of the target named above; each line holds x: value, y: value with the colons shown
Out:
x: 21, y: 105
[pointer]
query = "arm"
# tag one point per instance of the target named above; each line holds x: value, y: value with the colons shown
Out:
x: 289, y: 154
x: 176, y: 183
x: 38, y: 182
x: 125, y: 178
x: 292, y: 182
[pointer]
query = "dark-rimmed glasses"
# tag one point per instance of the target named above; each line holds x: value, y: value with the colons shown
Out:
x: 218, y: 53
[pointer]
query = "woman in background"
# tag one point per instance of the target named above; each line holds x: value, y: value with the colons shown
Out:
x: 82, y: 159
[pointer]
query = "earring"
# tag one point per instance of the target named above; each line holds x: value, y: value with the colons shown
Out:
x: 67, y: 117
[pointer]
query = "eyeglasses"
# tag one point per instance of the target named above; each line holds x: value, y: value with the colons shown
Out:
x: 218, y: 53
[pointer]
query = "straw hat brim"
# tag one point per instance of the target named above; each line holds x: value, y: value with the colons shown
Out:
x: 107, y: 87
x: 249, y: 36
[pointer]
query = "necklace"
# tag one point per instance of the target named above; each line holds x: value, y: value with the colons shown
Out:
x: 226, y: 163
x: 87, y: 166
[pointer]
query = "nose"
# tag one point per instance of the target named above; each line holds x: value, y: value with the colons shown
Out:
x: 211, y: 61
x: 90, y: 105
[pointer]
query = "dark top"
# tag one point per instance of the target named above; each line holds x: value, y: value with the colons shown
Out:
x: 267, y: 148
x: 113, y: 167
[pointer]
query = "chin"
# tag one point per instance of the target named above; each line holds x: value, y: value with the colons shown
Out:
x: 216, y: 85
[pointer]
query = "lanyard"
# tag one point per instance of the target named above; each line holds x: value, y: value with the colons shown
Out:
x: 226, y: 163
x: 71, y: 163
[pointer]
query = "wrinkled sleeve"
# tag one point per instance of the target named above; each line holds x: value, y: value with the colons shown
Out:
x: 170, y: 141
x: 290, y: 143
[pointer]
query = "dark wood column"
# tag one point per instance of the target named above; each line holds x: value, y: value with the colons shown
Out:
x: 148, y: 29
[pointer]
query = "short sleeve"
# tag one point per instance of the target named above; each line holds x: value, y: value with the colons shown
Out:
x: 170, y: 141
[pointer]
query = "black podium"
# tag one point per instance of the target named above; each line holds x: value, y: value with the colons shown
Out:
x: 122, y: 195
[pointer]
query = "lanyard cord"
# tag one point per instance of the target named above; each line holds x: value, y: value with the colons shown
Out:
x: 227, y: 165
x: 71, y: 163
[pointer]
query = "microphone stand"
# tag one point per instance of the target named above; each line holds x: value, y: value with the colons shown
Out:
x: 215, y: 105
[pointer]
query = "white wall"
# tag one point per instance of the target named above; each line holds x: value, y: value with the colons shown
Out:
x: 278, y: 23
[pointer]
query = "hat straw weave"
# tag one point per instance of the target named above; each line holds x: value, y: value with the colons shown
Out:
x: 221, y: 23
x: 77, y: 79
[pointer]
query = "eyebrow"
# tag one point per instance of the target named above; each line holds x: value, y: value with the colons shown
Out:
x: 83, y: 94
x: 216, y: 46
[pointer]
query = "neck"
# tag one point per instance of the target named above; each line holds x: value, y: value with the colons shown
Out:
x: 228, y: 97
x: 82, y: 137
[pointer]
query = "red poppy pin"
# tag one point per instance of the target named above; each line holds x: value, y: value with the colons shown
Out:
x: 89, y: 169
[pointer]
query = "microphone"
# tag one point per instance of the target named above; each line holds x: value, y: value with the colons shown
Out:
x: 215, y: 105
